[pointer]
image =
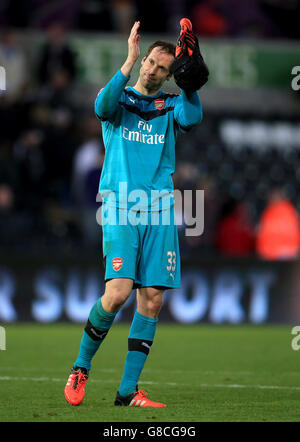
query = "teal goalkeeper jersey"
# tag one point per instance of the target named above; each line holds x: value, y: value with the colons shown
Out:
x: 139, y: 134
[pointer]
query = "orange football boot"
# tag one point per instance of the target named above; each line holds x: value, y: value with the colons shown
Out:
x: 74, y: 389
x: 137, y: 399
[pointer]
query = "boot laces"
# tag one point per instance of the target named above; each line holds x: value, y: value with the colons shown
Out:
x: 80, y: 379
x: 143, y: 393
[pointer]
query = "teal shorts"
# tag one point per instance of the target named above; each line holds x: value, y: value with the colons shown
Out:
x: 142, y: 246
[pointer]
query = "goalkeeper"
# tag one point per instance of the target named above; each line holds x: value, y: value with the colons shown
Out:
x: 140, y: 125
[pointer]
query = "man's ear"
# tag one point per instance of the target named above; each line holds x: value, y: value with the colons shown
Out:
x: 143, y: 60
x: 169, y: 76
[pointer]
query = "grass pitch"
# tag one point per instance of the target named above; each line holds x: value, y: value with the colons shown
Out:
x: 202, y: 372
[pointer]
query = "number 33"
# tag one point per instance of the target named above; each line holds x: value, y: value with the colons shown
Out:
x: 171, y: 261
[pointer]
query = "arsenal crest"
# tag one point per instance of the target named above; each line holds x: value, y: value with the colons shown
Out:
x: 159, y: 103
x: 117, y: 264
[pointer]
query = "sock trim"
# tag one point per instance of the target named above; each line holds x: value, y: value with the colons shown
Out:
x: 102, y: 312
x: 95, y: 333
x: 146, y: 318
x: 141, y: 345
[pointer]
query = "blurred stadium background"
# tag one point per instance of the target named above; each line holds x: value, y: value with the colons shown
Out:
x: 245, y: 155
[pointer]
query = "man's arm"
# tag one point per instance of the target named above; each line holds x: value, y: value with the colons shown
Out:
x: 108, y: 98
x: 188, y: 109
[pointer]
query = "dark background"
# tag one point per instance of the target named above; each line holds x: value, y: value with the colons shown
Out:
x: 51, y: 151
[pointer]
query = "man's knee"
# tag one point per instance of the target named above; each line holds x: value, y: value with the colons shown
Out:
x: 116, y: 293
x: 155, y: 304
x: 150, y: 301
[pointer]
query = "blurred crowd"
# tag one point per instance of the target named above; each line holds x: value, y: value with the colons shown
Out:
x: 211, y: 18
x: 231, y: 230
x: 51, y: 155
x: 49, y: 147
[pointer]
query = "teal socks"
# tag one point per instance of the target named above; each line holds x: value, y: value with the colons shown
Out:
x: 140, y: 339
x: 97, y: 327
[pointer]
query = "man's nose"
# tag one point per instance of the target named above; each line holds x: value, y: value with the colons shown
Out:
x: 153, y: 70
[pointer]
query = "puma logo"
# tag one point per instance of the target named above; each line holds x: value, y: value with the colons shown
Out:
x: 146, y: 345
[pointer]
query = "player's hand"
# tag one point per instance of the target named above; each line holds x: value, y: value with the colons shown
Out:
x: 133, y: 50
x: 133, y: 43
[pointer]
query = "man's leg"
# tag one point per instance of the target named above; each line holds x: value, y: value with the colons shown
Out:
x: 141, y: 335
x: 98, y: 324
x: 101, y: 318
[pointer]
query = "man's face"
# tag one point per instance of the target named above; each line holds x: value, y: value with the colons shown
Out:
x: 155, y: 69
